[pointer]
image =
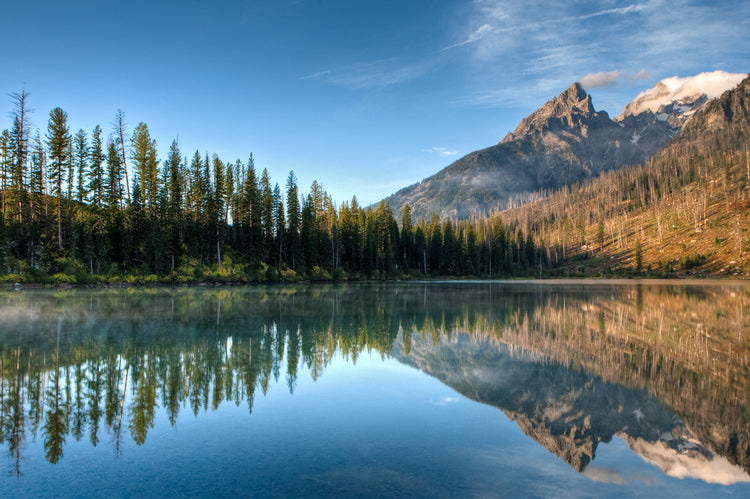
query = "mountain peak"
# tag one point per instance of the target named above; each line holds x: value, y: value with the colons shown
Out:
x: 574, y: 98
x: 570, y: 107
x: 575, y: 95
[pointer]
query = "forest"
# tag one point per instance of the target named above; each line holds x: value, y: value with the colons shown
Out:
x: 98, y: 207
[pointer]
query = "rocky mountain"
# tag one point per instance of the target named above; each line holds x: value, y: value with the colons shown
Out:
x: 563, y: 142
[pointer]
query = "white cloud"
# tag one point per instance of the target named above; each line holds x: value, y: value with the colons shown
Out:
x: 442, y: 151
x: 593, y: 80
x: 617, y: 477
x: 612, y: 78
x: 674, y: 88
x: 444, y: 401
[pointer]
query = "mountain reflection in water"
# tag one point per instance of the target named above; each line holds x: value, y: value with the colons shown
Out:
x: 663, y: 366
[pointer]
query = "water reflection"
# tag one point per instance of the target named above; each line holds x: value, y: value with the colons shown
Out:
x: 662, y: 366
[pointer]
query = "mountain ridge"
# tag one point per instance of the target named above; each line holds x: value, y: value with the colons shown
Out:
x: 563, y: 142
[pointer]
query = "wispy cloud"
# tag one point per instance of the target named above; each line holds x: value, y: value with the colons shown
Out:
x: 317, y: 75
x: 475, y: 36
x: 520, y: 53
x: 539, y: 47
x: 380, y: 73
x: 550, y: 43
x: 561, y: 20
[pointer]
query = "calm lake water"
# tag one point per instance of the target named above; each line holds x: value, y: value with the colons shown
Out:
x: 541, y: 389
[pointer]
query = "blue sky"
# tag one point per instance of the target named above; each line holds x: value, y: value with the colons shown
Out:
x: 365, y: 97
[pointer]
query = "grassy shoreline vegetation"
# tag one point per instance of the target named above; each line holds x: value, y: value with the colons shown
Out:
x: 85, y: 209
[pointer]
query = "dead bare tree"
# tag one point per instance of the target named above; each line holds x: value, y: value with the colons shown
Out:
x: 119, y: 125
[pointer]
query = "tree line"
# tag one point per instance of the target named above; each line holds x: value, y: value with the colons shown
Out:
x: 92, y: 207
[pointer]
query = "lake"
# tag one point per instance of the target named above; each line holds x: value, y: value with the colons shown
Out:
x: 453, y: 389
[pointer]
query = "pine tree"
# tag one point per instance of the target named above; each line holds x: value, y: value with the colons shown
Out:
x: 220, y: 188
x: 293, y: 216
x: 407, y: 239
x: 230, y: 194
x: 146, y: 165
x: 174, y: 175
x: 198, y: 186
x: 113, y: 184
x: 279, y: 224
x: 307, y: 235
x: 37, y: 184
x: 58, y: 141
x: 219, y: 191
x: 96, y: 171
x: 173, y: 171
x: 266, y: 195
x: 252, y: 215
x: 80, y: 155
x: 37, y: 174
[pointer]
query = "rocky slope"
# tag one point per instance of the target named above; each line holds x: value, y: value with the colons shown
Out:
x: 563, y: 142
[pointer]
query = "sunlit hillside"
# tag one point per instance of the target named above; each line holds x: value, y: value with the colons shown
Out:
x: 685, y: 212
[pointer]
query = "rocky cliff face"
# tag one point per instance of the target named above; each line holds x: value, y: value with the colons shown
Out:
x: 563, y: 142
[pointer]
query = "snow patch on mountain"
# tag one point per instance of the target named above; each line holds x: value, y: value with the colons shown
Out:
x: 676, y: 89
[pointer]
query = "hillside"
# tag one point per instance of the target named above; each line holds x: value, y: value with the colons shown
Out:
x: 685, y: 212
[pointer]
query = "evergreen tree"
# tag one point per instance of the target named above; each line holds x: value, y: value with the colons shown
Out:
x: 219, y: 215
x: 113, y: 184
x: 220, y: 188
x: 406, y: 253
x: 279, y: 224
x: 37, y: 175
x: 293, y: 216
x: 308, y: 234
x: 266, y: 195
x: 96, y: 171
x: 80, y: 162
x: 58, y: 141
x: 349, y: 237
x: 229, y: 194
x: 173, y: 171
x: 146, y: 165
x: 198, y: 187
x: 250, y: 216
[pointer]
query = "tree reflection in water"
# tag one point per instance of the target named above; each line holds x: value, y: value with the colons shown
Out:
x: 80, y: 363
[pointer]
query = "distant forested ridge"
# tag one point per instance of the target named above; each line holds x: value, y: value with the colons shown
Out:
x: 100, y: 206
